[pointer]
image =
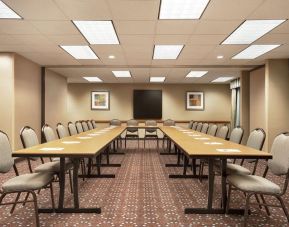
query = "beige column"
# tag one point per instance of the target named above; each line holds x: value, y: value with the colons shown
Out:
x: 245, y: 104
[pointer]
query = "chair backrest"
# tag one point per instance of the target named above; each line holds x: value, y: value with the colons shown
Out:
x: 195, y: 124
x: 256, y: 139
x: 94, y: 124
x: 72, y: 128
x: 205, y: 128
x: 150, y: 123
x: 48, y: 133
x: 6, y: 160
x: 190, y: 125
x: 90, y: 126
x: 199, y: 126
x: 279, y: 164
x: 84, y: 126
x: 61, y: 131
x: 132, y: 123
x: 78, y: 126
x: 223, y: 132
x: 212, y: 130
x: 237, y: 135
x: 169, y: 122
x: 115, y: 122
x: 28, y: 137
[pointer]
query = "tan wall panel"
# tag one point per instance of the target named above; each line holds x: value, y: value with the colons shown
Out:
x: 27, y: 97
x: 217, y: 101
x: 55, y: 98
x: 245, y: 105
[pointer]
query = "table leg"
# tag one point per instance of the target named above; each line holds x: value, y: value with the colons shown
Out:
x: 178, y: 164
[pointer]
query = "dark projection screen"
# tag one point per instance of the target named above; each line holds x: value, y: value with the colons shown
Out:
x: 147, y: 104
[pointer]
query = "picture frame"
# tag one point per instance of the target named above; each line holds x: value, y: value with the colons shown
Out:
x: 100, y: 100
x: 195, y: 100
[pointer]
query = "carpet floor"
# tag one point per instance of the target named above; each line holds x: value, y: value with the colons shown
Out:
x: 141, y: 195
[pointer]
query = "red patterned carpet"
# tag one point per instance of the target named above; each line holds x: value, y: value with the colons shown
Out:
x: 140, y: 195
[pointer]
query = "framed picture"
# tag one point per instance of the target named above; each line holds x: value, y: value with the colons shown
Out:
x: 100, y: 100
x: 195, y: 100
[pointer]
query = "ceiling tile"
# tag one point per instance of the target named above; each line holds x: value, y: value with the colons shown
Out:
x: 136, y: 40
x: 171, y: 39
x: 195, y: 52
x: 67, y: 39
x: 273, y: 39
x: 177, y: 27
x: 17, y: 27
x: 205, y: 39
x: 135, y: 27
x: 216, y: 27
x: 55, y: 27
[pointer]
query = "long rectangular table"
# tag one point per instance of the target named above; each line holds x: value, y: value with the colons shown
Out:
x: 196, y: 145
x: 88, y: 144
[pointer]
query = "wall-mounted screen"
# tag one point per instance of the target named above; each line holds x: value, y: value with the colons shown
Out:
x: 147, y: 104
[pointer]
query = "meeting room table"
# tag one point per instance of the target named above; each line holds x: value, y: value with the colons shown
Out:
x: 89, y: 144
x: 195, y: 145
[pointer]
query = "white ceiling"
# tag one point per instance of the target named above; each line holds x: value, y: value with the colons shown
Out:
x: 47, y: 24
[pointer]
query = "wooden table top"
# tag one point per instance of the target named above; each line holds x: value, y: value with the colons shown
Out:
x: 196, y: 144
x: 88, y: 143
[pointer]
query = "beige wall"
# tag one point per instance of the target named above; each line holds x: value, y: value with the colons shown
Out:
x: 245, y: 104
x: 217, y: 101
x: 27, y: 97
x: 7, y: 94
x: 55, y: 98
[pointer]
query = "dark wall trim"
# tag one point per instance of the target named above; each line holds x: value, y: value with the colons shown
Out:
x: 42, y: 100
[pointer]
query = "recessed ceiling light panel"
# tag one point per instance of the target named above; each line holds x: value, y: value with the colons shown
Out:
x: 97, y: 32
x: 80, y: 52
x: 254, y: 51
x: 157, y: 79
x: 222, y: 79
x: 167, y: 52
x: 182, y: 9
x: 92, y: 79
x: 7, y: 13
x: 251, y: 30
x: 122, y: 74
x: 196, y: 74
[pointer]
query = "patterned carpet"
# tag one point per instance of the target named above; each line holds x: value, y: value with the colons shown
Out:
x: 140, y: 195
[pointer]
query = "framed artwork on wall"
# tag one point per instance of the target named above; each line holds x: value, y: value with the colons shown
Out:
x: 194, y: 100
x: 100, y: 100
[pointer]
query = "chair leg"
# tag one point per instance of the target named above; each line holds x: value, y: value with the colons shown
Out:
x: 52, y: 196
x: 15, y: 202
x: 35, y: 208
x: 283, y: 207
x: 258, y: 200
x: 26, y: 198
x: 266, y: 207
x: 228, y: 199
x: 246, y: 212
x: 201, y: 170
x: 29, y: 165
x: 70, y: 180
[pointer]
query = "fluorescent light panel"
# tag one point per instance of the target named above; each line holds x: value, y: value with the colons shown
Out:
x: 196, y: 74
x: 167, y: 52
x: 182, y: 9
x: 92, y: 79
x: 97, y: 32
x: 80, y: 52
x: 157, y: 79
x: 251, y: 30
x: 7, y: 13
x: 222, y: 79
x: 254, y: 51
x: 121, y: 73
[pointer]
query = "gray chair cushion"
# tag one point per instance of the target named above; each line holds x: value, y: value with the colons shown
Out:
x: 49, y: 134
x: 27, y: 182
x: 30, y: 138
x: 223, y: 132
x: 253, y: 183
x: 62, y: 131
x: 212, y: 130
x: 6, y: 160
x: 236, y: 135
x: 53, y: 167
x: 236, y: 169
x: 72, y: 129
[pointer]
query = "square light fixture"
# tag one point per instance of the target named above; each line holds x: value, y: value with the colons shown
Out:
x: 94, y: 79
x: 7, y: 13
x: 80, y: 52
x: 222, y: 79
x: 167, y: 52
x: 97, y: 32
x: 182, y: 9
x: 157, y: 79
x: 196, y: 74
x: 123, y: 74
x: 251, y: 30
x: 255, y: 51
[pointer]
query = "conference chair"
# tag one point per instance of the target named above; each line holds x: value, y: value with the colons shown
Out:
x: 223, y: 132
x: 237, y: 135
x: 151, y: 133
x: 29, y: 138
x: 190, y: 125
x: 84, y: 126
x: 71, y: 128
x: 199, y: 127
x: 194, y: 127
x: 27, y: 183
x: 168, y: 122
x: 132, y: 131
x: 61, y: 131
x: 78, y: 126
x: 205, y: 128
x: 116, y: 122
x: 212, y: 130
x: 89, y: 124
x: 94, y: 123
x: 260, y: 186
x: 256, y: 140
